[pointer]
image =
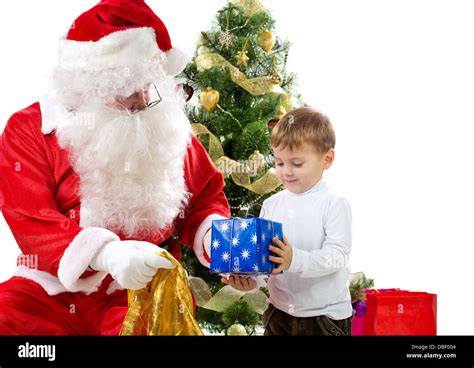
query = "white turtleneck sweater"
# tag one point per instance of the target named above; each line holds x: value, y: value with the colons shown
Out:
x: 317, y: 224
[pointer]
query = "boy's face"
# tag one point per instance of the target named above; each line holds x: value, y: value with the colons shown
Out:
x: 301, y: 168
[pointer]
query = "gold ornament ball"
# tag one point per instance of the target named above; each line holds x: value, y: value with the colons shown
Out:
x: 267, y: 40
x: 272, y: 123
x: 276, y: 78
x: 210, y: 99
x: 202, y: 50
x: 236, y: 330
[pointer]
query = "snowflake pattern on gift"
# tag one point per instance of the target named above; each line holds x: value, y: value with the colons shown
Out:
x: 253, y: 239
x: 244, y: 224
x: 215, y: 244
x: 235, y: 241
x: 225, y: 256
x: 224, y: 227
x: 245, y: 254
x: 241, y: 245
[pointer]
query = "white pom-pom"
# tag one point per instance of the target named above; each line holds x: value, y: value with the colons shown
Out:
x: 176, y: 61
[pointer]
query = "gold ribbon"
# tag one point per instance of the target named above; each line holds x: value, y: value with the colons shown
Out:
x: 164, y: 307
x: 285, y: 105
x: 239, y: 173
x: 228, y: 296
x: 215, y: 149
x: 255, y: 86
x: 249, y: 7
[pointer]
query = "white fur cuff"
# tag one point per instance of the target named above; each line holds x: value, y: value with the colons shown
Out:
x: 47, y: 281
x: 202, y: 243
x: 77, y: 257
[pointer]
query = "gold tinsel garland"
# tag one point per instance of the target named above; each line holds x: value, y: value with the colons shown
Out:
x: 239, y: 173
x: 255, y: 86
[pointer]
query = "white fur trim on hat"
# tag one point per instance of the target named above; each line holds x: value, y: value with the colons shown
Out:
x: 78, y: 256
x: 122, y: 48
x: 117, y: 49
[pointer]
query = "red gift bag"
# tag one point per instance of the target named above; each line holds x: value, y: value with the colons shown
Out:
x: 358, y: 325
x: 400, y: 312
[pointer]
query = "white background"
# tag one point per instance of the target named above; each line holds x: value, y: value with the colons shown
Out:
x: 397, y: 80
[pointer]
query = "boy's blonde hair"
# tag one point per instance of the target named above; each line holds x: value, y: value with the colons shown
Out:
x: 304, y: 125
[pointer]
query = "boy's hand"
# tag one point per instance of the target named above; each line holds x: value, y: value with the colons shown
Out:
x: 284, y: 252
x: 242, y: 283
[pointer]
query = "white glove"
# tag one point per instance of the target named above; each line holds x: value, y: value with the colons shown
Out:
x: 131, y: 263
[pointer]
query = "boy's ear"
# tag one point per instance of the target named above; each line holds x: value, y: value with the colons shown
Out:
x: 329, y: 158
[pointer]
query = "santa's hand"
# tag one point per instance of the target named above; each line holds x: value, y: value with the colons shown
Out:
x: 131, y: 263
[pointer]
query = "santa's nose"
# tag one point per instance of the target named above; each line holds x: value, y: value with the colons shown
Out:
x: 136, y: 102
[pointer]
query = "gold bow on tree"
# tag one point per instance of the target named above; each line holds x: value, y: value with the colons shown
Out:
x: 267, y: 183
x: 255, y: 86
x: 249, y: 7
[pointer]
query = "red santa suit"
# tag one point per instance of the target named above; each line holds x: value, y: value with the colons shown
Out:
x: 54, y: 291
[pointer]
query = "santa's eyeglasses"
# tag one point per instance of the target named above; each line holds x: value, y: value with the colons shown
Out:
x: 135, y: 103
x: 154, y: 96
x: 156, y: 99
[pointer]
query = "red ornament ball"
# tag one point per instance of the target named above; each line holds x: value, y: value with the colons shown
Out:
x: 272, y: 123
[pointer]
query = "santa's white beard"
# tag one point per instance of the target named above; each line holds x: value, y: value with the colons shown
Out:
x: 131, y: 166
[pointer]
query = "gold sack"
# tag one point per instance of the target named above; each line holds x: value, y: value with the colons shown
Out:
x: 164, y: 307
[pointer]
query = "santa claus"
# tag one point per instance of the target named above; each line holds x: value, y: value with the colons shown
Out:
x: 101, y: 175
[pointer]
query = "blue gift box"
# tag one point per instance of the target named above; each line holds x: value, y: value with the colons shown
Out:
x: 240, y: 245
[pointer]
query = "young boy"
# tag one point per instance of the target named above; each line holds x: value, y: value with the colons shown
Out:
x: 311, y: 296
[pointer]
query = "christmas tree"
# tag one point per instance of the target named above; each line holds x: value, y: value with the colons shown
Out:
x: 241, y: 87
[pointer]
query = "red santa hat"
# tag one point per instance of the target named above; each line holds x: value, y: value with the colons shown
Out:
x: 118, y: 33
